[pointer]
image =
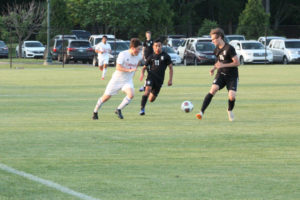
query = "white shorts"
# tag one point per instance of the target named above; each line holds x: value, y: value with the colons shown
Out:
x: 102, y: 60
x: 115, y: 85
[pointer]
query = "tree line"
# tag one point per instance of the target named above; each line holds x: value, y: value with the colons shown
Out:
x: 131, y: 18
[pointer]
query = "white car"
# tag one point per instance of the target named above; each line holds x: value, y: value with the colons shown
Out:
x: 31, y: 49
x: 285, y: 50
x: 265, y: 40
x: 251, y: 51
x: 176, y: 60
x: 234, y: 37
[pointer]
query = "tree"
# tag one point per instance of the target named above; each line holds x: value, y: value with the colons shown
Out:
x: 207, y: 25
x: 25, y: 19
x: 253, y: 21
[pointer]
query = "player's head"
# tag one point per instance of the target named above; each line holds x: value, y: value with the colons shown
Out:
x: 135, y: 46
x: 104, y: 38
x: 148, y: 35
x: 217, y: 35
x: 157, y: 46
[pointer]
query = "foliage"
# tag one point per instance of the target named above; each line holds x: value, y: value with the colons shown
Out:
x: 253, y: 25
x: 206, y: 26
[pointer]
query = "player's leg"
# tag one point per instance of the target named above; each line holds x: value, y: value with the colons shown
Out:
x: 144, y: 99
x: 232, y: 88
x: 129, y: 91
x: 100, y: 63
x: 105, y: 64
x: 213, y: 90
x: 99, y: 103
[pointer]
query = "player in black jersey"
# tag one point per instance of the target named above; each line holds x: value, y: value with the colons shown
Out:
x: 156, y: 65
x: 147, y: 51
x: 227, y: 75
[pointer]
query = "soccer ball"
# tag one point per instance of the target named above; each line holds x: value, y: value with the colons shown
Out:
x: 187, y: 106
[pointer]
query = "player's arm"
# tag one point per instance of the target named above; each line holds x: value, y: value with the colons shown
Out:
x: 123, y: 69
x: 143, y: 72
x: 170, y: 82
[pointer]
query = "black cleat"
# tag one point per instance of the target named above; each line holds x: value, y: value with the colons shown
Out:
x: 95, y: 116
x: 142, y: 112
x: 119, y: 113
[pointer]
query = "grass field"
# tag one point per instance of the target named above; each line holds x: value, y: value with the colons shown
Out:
x: 46, y: 130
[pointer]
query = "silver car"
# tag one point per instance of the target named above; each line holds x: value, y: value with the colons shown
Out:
x: 285, y: 50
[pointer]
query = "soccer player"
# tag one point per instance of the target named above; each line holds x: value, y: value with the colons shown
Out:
x: 156, y: 65
x: 127, y: 63
x: 103, y: 49
x: 147, y: 51
x: 227, y: 75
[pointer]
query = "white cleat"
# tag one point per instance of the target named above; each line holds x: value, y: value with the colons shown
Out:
x: 230, y: 115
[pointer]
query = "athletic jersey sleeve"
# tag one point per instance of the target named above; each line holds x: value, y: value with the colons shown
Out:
x: 148, y: 61
x: 168, y: 60
x: 121, y: 58
x: 232, y: 51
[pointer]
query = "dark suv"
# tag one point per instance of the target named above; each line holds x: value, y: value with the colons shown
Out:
x: 3, y: 49
x: 199, y: 53
x: 76, y: 50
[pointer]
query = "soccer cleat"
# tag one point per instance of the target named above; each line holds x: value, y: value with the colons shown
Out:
x: 142, y: 112
x: 119, y: 113
x: 102, y: 78
x: 95, y: 116
x: 199, y: 115
x: 230, y: 115
x: 142, y: 89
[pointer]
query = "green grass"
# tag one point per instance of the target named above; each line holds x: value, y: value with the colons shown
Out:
x: 46, y: 130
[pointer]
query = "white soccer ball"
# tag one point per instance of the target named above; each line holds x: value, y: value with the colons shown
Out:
x: 187, y: 106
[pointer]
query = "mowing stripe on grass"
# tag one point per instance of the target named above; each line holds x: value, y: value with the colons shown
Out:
x: 46, y: 182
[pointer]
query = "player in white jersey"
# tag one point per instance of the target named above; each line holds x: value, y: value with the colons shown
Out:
x: 103, y: 49
x: 127, y: 64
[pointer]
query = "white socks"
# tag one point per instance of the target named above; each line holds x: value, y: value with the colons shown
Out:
x: 124, y: 103
x: 104, y: 72
x: 98, y: 105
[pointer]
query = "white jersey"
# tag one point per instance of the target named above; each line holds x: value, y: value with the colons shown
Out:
x: 105, y: 48
x: 128, y: 61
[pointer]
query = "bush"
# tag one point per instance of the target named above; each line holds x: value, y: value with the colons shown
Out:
x: 206, y: 26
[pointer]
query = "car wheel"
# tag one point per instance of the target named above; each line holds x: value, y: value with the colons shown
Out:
x: 90, y: 61
x: 66, y: 60
x: 242, y: 60
x: 84, y: 62
x: 24, y: 54
x: 285, y: 60
x: 94, y: 61
x: 185, y: 62
x: 17, y: 56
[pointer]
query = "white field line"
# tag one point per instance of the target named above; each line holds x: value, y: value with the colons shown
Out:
x: 46, y: 182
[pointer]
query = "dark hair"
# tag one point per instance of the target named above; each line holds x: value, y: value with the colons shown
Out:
x: 157, y: 40
x: 104, y: 36
x: 148, y: 32
x: 135, y: 42
x: 218, y: 31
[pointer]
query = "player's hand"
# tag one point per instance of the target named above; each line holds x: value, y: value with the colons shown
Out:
x: 170, y: 83
x: 218, y: 65
x: 212, y: 71
x: 132, y: 69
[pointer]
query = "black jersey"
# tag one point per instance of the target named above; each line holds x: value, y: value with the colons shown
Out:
x: 148, y: 44
x: 157, y: 65
x: 225, y: 56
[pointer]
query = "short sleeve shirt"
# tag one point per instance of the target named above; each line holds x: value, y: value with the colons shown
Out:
x: 225, y: 56
x: 148, y: 44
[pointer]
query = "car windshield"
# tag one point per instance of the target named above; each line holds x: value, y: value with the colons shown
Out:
x: 205, y: 46
x: 118, y: 46
x: 292, y: 44
x: 176, y: 42
x: 235, y: 38
x: 2, y: 44
x: 76, y: 44
x: 33, y: 44
x: 252, y: 46
x: 168, y: 50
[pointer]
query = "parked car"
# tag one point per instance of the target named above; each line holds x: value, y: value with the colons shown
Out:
x: 285, y: 50
x: 95, y: 39
x: 174, y: 56
x: 234, y: 37
x: 3, y: 50
x: 77, y: 50
x: 251, y: 51
x: 265, y: 40
x: 81, y: 34
x: 174, y: 42
x: 181, y: 49
x: 56, y: 48
x: 31, y: 49
x: 65, y: 37
x: 199, y: 53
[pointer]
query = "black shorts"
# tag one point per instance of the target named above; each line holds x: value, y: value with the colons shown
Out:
x: 222, y: 80
x: 155, y: 85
